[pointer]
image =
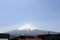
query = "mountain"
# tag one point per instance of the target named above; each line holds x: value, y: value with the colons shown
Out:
x: 29, y: 29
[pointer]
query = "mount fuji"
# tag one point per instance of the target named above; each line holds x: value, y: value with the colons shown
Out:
x: 29, y: 30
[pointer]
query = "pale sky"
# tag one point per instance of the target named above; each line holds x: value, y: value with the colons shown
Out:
x: 45, y: 13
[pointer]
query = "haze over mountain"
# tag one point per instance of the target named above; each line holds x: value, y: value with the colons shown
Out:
x: 29, y: 29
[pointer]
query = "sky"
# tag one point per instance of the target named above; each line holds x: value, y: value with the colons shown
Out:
x: 45, y: 13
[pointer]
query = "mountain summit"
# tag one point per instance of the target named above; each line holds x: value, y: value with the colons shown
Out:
x: 28, y: 27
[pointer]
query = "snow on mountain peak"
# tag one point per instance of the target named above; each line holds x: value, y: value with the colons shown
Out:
x: 28, y: 27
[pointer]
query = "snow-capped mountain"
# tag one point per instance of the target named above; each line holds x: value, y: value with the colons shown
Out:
x: 29, y: 29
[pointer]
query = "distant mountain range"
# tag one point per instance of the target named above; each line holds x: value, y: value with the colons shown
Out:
x: 29, y: 29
